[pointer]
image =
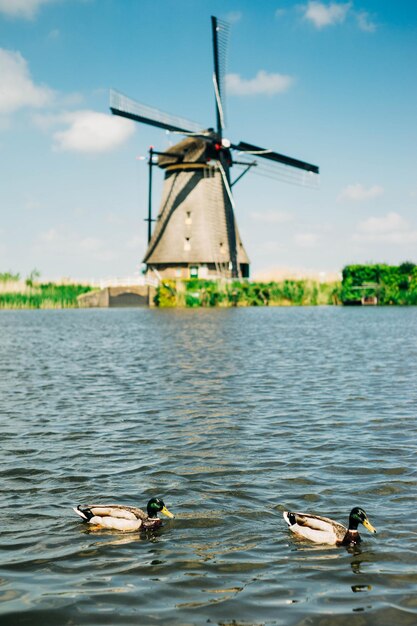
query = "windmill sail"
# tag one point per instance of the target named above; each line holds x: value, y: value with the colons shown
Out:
x: 220, y: 33
x: 133, y: 110
x: 248, y: 148
x: 275, y: 171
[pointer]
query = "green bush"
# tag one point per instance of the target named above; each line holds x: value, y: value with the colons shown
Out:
x: 166, y: 294
x: 391, y: 284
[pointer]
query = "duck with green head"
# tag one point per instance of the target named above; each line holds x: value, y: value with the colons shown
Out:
x: 326, y: 531
x: 122, y: 517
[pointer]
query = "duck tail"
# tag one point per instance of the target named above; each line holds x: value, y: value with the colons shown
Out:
x: 84, y: 512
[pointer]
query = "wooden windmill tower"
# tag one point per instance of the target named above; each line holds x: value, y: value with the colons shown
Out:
x: 196, y: 232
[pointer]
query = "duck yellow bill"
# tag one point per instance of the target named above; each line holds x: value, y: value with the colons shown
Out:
x: 369, y: 526
x: 165, y: 511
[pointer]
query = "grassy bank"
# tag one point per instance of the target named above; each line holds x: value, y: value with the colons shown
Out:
x: 29, y: 295
x: 205, y: 293
x: 379, y: 284
x: 371, y: 284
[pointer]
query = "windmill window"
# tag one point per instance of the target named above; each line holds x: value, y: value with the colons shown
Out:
x: 222, y: 249
x: 187, y: 244
x: 188, y: 219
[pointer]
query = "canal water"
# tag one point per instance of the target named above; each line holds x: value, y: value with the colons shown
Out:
x: 231, y: 416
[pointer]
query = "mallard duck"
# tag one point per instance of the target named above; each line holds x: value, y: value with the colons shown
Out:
x: 325, y: 530
x: 121, y: 517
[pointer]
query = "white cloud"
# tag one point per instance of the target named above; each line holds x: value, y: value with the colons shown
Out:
x: 17, y: 88
x: 31, y: 203
x: 280, y: 13
x: 390, y: 228
x: 63, y: 242
x: 233, y: 17
x: 388, y: 223
x: 69, y: 100
x: 322, y: 15
x: 45, y: 120
x: 49, y: 235
x: 89, y: 131
x: 306, y: 240
x: 271, y: 217
x: 54, y: 34
x: 358, y: 192
x: 364, y: 22
x: 273, y: 247
x: 91, y: 244
x: 263, y: 83
x: 26, y: 9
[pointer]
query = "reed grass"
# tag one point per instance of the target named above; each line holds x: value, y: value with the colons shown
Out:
x: 40, y: 296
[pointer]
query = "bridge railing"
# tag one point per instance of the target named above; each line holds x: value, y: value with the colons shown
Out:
x: 129, y: 281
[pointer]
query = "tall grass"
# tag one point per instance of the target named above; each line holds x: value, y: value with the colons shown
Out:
x: 40, y: 296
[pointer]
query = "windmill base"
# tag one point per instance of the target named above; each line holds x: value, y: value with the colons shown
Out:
x: 209, y: 271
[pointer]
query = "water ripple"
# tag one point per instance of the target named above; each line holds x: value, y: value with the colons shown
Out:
x: 231, y: 416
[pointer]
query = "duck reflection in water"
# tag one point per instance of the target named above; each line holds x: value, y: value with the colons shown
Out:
x: 359, y: 557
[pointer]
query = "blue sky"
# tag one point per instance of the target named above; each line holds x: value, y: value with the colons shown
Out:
x: 332, y: 83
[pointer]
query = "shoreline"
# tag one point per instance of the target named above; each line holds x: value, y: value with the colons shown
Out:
x: 376, y: 284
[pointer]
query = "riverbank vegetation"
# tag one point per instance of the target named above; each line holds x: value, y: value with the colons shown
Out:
x: 16, y: 293
x: 209, y: 293
x: 380, y: 284
x: 361, y: 284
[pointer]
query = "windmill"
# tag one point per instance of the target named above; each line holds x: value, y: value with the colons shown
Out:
x: 196, y: 233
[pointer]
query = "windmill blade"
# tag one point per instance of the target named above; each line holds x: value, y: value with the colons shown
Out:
x: 231, y: 227
x: 226, y: 183
x: 277, y: 171
x: 220, y: 31
x: 133, y: 110
x: 249, y: 149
